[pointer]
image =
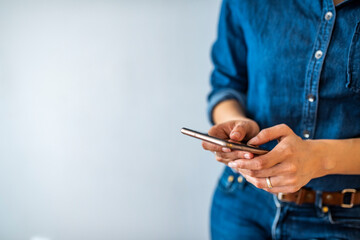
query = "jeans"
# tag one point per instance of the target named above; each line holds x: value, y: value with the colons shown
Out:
x: 242, y: 211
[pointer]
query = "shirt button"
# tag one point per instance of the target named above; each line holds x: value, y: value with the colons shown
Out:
x: 318, y: 54
x: 311, y: 98
x: 306, y: 134
x: 328, y: 16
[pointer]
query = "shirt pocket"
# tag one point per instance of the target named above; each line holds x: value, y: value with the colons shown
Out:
x: 353, y: 68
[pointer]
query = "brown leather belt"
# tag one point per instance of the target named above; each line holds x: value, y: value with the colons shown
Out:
x: 347, y: 198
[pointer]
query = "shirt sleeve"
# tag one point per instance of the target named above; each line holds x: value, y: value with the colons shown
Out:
x: 229, y: 77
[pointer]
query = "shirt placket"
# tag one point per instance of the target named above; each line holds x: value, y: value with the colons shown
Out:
x: 313, y: 72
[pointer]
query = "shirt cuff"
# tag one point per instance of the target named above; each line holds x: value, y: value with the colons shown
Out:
x: 221, y: 95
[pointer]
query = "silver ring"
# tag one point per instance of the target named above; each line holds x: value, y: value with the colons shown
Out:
x: 268, y: 182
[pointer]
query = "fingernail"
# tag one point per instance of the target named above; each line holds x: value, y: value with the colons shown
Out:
x: 232, y: 164
x: 226, y: 149
x: 235, y: 135
x: 247, y: 155
x: 252, y: 140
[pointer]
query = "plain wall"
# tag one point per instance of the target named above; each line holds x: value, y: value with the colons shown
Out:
x: 92, y: 98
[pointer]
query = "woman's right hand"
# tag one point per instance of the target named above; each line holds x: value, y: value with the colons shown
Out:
x: 234, y: 130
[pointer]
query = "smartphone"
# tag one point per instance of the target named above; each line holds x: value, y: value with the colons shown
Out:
x: 224, y: 143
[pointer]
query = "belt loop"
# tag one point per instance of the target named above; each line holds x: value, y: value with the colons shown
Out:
x: 319, y: 203
x: 318, y: 199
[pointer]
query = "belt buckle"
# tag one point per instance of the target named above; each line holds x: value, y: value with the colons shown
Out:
x: 345, y: 191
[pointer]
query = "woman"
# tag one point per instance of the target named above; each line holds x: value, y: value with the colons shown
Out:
x: 292, y: 69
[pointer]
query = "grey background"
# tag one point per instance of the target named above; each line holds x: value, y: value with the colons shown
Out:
x: 92, y: 97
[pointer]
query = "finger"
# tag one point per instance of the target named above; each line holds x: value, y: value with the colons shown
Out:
x: 259, y: 163
x: 269, y: 134
x: 279, y: 184
x: 278, y: 154
x: 221, y: 130
x: 238, y: 133
x: 235, y: 154
x: 214, y: 148
x: 278, y: 169
x: 221, y: 160
x: 276, y: 181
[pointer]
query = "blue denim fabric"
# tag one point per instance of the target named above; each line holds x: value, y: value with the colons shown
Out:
x: 267, y: 57
x: 242, y: 211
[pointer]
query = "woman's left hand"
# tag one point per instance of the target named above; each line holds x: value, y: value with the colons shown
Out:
x: 290, y: 165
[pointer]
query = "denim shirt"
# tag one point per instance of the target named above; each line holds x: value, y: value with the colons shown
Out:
x: 295, y: 62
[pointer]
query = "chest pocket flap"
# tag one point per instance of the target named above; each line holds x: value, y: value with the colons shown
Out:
x: 353, y: 68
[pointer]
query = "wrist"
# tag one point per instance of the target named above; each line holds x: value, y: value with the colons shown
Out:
x: 228, y: 110
x: 323, y: 152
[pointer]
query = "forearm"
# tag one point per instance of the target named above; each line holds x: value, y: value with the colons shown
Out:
x: 228, y: 110
x: 339, y: 156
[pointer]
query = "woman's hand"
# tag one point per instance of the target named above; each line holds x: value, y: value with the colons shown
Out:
x: 235, y: 130
x: 290, y: 165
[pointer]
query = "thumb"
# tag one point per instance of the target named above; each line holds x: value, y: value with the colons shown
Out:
x: 238, y: 133
x: 269, y: 134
